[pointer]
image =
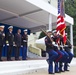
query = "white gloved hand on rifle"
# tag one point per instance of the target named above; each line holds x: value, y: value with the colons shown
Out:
x: 54, y: 44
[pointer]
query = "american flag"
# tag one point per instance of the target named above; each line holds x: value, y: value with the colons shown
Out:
x: 61, y: 26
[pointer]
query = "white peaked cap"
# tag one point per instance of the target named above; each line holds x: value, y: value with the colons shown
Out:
x: 2, y: 26
x: 54, y: 31
x: 25, y: 30
x: 48, y: 31
x: 10, y: 27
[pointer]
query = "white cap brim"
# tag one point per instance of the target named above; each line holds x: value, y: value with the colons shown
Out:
x: 10, y: 27
x: 2, y: 26
x: 25, y: 30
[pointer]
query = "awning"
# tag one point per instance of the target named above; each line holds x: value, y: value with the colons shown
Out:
x: 31, y: 14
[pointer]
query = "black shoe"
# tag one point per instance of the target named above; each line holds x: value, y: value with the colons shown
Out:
x: 17, y: 59
x: 57, y: 72
x: 24, y: 59
x: 67, y: 70
x: 9, y: 60
x: 62, y: 71
x: 1, y: 60
x: 51, y: 73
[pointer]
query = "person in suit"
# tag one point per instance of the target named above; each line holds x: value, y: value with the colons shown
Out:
x: 9, y: 42
x: 18, y: 39
x: 2, y: 36
x: 24, y: 43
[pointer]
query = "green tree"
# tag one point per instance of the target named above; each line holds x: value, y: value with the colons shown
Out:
x: 41, y: 35
x: 70, y: 9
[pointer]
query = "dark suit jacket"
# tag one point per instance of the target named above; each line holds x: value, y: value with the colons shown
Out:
x: 18, y: 39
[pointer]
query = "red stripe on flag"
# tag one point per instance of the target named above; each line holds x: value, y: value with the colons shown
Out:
x: 61, y: 26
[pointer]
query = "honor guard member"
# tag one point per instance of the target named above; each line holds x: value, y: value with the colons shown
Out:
x: 24, y: 43
x: 9, y: 42
x: 56, y: 48
x: 61, y: 66
x: 2, y: 36
x: 18, y: 39
x: 51, y: 53
x: 67, y: 48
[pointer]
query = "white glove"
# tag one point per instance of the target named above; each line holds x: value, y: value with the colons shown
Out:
x: 65, y: 45
x: 7, y: 44
x: 3, y: 34
x: 51, y: 35
x: 56, y: 45
x: 53, y: 43
x: 21, y: 45
x: 61, y: 45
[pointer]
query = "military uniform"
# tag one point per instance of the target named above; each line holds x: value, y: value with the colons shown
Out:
x: 52, y: 54
x: 18, y: 39
x: 65, y: 58
x: 9, y: 41
x: 24, y: 43
x: 67, y: 48
x: 2, y: 36
x: 60, y: 54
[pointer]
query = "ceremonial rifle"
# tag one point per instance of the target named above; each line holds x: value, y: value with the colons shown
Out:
x: 69, y: 44
x: 47, y: 35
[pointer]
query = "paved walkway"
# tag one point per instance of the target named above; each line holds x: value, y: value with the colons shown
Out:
x: 44, y: 71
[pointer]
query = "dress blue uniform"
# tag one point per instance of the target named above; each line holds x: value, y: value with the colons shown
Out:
x: 60, y: 54
x: 67, y: 48
x: 52, y: 54
x: 65, y: 58
x: 24, y: 43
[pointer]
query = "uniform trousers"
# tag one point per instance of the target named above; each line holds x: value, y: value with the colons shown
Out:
x: 52, y: 57
x: 64, y: 60
x: 59, y: 59
x: 24, y: 53
x: 69, y: 60
x: 9, y: 52
x: 1, y: 52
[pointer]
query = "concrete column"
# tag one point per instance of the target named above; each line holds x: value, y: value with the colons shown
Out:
x: 71, y: 36
x: 50, y: 22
